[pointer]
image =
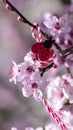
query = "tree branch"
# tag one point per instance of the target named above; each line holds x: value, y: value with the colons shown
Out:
x: 13, y: 8
x: 24, y: 19
x: 46, y: 68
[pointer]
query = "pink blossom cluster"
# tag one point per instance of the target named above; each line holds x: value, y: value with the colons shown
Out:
x: 57, y: 26
x: 62, y: 90
x: 59, y: 89
x: 28, y: 74
x: 35, y: 74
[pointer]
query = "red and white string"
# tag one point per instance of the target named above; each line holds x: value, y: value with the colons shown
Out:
x: 39, y: 38
x: 54, y: 115
x: 45, y: 63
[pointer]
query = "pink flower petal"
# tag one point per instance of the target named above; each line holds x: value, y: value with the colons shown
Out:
x: 37, y: 94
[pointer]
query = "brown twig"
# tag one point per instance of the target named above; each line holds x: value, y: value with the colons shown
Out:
x: 24, y: 19
x: 46, y: 68
x: 58, y: 48
x: 13, y: 8
x: 66, y: 104
x: 68, y: 49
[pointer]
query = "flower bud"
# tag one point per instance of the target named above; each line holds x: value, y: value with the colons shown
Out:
x: 20, y: 19
x: 8, y: 7
x: 3, y: 1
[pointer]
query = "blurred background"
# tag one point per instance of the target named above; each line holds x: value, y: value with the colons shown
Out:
x: 15, y: 41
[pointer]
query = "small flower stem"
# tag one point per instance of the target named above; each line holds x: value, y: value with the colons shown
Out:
x: 54, y: 115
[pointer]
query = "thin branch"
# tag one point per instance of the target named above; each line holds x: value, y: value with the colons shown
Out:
x: 68, y: 50
x: 46, y: 68
x: 63, y: 52
x: 67, y: 53
x: 24, y: 19
x: 67, y: 104
x: 30, y: 24
x: 58, y: 48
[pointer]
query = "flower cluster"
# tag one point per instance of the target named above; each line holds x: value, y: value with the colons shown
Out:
x: 28, y: 74
x: 57, y: 26
x: 62, y: 90
x: 53, y: 52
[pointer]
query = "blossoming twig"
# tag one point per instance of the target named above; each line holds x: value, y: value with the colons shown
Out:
x: 32, y: 25
x: 68, y: 50
x: 23, y: 19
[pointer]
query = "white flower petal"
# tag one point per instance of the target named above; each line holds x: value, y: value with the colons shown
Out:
x: 36, y: 77
x: 66, y: 30
x: 64, y: 20
x: 54, y: 19
x: 48, y: 24
x: 37, y: 94
x: 27, y: 91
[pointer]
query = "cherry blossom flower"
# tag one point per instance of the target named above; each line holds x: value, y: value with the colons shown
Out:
x: 32, y: 85
x: 57, y: 26
x: 68, y: 87
x: 62, y: 90
x: 15, y: 72
x: 18, y: 72
x: 58, y: 99
x: 30, y: 57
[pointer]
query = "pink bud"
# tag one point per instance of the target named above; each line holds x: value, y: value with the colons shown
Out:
x: 68, y: 42
x: 8, y: 7
x: 20, y: 19
x: 54, y: 65
x: 3, y: 1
